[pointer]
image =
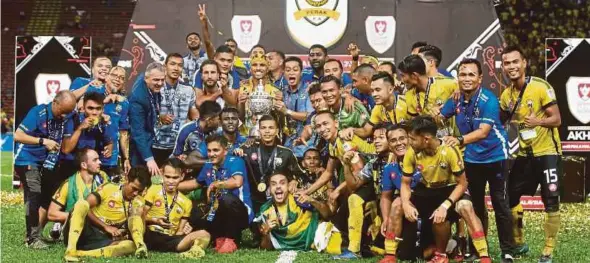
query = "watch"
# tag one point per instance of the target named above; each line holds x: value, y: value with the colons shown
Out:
x: 40, y: 141
x: 461, y: 140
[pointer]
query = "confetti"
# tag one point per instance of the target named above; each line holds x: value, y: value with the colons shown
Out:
x: 11, y: 198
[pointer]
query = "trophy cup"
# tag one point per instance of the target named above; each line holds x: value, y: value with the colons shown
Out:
x: 260, y: 103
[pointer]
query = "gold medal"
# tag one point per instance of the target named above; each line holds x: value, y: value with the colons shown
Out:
x: 261, y: 187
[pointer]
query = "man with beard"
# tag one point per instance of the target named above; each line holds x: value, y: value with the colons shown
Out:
x: 109, y: 223
x: 326, y: 125
x: 486, y: 149
x: 296, y: 105
x: 145, y: 103
x: 194, y: 57
x: 38, y: 142
x: 426, y: 94
x: 312, y: 164
x: 117, y: 108
x: 177, y: 106
x: 276, y: 69
x: 531, y: 103
x: 361, y: 82
x: 441, y: 194
x: 166, y: 214
x: 228, y: 195
x: 259, y: 66
x: 364, y: 187
x: 291, y: 222
x: 192, y: 135
x: 318, y: 55
x: 390, y: 108
x: 100, y: 69
x: 214, y: 85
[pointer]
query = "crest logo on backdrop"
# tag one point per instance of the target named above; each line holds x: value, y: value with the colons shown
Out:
x: 380, y: 32
x: 48, y: 85
x: 246, y: 31
x: 316, y: 21
x: 578, y: 98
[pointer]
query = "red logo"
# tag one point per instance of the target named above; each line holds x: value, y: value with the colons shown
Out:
x: 393, y: 175
x: 246, y: 26
x: 158, y: 203
x: 380, y: 27
x: 52, y: 86
x: 254, y: 157
x: 111, y: 204
x: 584, y: 91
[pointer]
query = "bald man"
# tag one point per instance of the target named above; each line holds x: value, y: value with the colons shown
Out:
x: 38, y: 142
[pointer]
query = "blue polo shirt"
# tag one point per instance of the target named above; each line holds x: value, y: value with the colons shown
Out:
x: 309, y: 77
x: 230, y: 148
x: 95, y: 138
x: 190, y: 138
x: 282, y: 83
x: 198, y: 80
x: 81, y: 82
x: 297, y: 101
x: 367, y: 100
x: 392, y: 178
x: 468, y: 117
x: 232, y: 166
x: 35, y: 124
x: 119, y: 113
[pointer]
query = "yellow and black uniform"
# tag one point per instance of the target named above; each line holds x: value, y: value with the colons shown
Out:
x: 539, y: 156
x: 438, y: 178
x: 172, y: 207
x: 397, y: 115
x: 340, y: 147
x: 438, y: 91
x: 74, y: 189
x: 112, y: 210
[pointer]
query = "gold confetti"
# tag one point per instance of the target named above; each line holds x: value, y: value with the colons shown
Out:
x: 11, y: 198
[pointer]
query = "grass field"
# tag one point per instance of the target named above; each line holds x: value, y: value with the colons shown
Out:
x: 574, y: 238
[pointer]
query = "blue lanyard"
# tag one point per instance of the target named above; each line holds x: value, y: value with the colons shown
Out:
x: 469, y: 115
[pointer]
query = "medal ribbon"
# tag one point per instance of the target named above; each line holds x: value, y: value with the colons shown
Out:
x: 419, y: 107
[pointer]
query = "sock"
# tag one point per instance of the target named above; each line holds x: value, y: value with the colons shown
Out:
x: 335, y: 244
x: 137, y: 228
x: 123, y: 248
x: 77, y: 220
x: 480, y: 243
x: 355, y: 222
x: 391, y: 243
x: 551, y: 227
x: 517, y: 227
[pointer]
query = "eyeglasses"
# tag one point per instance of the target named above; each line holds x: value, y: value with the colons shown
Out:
x: 119, y: 77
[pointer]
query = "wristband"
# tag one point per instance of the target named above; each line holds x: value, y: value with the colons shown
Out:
x: 446, y: 204
x: 40, y: 141
x: 461, y: 140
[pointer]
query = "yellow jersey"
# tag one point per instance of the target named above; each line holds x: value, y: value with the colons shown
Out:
x: 538, y: 95
x: 396, y: 115
x: 340, y: 147
x: 438, y: 170
x: 112, y: 209
x: 180, y: 208
x: 82, y: 189
x: 439, y: 89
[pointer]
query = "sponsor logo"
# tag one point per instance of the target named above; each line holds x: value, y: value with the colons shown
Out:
x: 254, y: 157
x: 552, y: 187
x: 316, y: 21
x: 48, y: 85
x: 158, y: 203
x: 111, y: 204
x: 246, y: 31
x: 380, y: 32
x: 578, y: 98
x: 444, y: 165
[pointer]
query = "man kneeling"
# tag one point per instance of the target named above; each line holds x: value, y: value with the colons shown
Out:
x: 113, y: 211
x: 167, y: 212
x: 289, y: 224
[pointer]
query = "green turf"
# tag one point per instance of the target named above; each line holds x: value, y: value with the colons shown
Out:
x: 6, y: 171
x: 574, y: 238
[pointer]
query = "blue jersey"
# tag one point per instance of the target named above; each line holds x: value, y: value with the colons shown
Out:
x: 392, y: 178
x: 232, y: 166
x: 190, y: 137
x: 94, y: 138
x: 308, y: 77
x: 230, y: 148
x: 119, y: 113
x: 282, y: 83
x: 445, y: 73
x: 36, y: 124
x: 233, y: 82
x: 367, y: 100
x: 483, y: 107
x: 80, y: 82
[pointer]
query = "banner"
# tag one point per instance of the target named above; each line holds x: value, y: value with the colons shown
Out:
x: 45, y: 65
x: 567, y: 72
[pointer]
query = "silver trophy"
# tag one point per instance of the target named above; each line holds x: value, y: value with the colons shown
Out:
x: 260, y: 103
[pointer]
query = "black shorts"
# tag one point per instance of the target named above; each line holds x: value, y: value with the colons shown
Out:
x: 52, y: 179
x: 427, y: 200
x: 161, y: 242
x: 528, y: 172
x: 90, y: 238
